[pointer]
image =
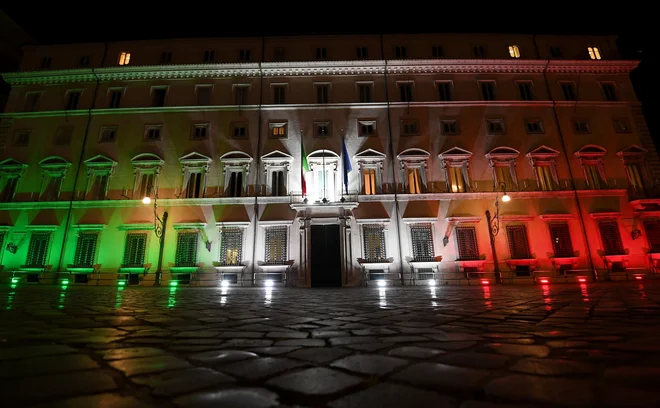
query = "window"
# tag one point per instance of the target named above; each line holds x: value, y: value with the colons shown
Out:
x: 413, y: 164
x: 322, y: 129
x: 635, y: 177
x: 152, y: 133
x: 158, y: 95
x: 53, y: 170
x: 581, y: 126
x: 400, y: 52
x: 45, y: 62
x: 278, y: 130
x: 204, y: 94
x: 374, y: 243
x: 437, y: 51
x: 85, y: 249
x: 9, y: 188
x: 38, y: 249
x: 555, y: 52
x: 406, y: 91
x: 361, y: 52
x: 544, y: 178
x: 518, y: 243
x: 561, y: 240
x: 495, y: 127
x: 456, y: 180
x: 594, y: 53
x: 544, y: 162
x: 195, y: 166
x: 146, y: 168
x: 321, y: 53
x: 124, y: 58
x: 99, y: 188
x: 421, y: 236
x: 487, y: 90
x: 209, y: 56
x: 279, y: 93
x: 478, y: 51
x: 276, y: 245
x: 366, y: 128
x: 186, y: 249
x: 199, y: 131
x: 322, y: 91
x: 445, y: 91
x: 525, y: 89
x: 11, y: 172
x: 194, y: 186
x: 21, y: 138
x: 134, y: 250
x: 609, y: 233
x: 621, y: 125
x: 63, y: 135
x: 239, y: 130
x: 99, y: 170
x: 231, y: 246
x: 234, y: 187
x: 568, y: 89
x: 145, y: 186
x: 32, y: 101
x: 84, y: 61
x: 449, y: 127
x: 277, y: 183
x: 72, y: 99
x: 633, y: 158
x: 276, y: 167
x: 414, y: 181
x: 365, y: 92
x: 241, y: 94
x: 534, y: 126
x: 369, y: 175
x: 244, y: 55
x: 502, y: 160
x: 166, y: 57
x: 108, y: 134
x: 514, y: 51
x: 652, y: 228
x: 456, y: 162
x: 609, y: 90
x: 466, y: 240
x: 593, y: 167
x: 114, y: 98
x: 323, y: 165
x: 280, y: 54
x: 409, y: 127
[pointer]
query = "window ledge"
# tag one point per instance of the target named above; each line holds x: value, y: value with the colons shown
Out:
x: 476, y: 263
x: 531, y: 262
x: 135, y: 268
x: 569, y: 260
x: 81, y: 269
x: 425, y: 264
x: 34, y: 268
x: 368, y: 264
x: 275, y: 267
x: 175, y: 270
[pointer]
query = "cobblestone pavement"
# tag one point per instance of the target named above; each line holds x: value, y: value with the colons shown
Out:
x: 468, y: 347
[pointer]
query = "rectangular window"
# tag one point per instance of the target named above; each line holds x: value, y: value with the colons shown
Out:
x: 85, y: 249
x: 45, y: 62
x: 204, y: 94
x: 63, y: 135
x: 108, y: 134
x: 561, y: 240
x: 555, y: 52
x: 146, y: 184
x: 199, y: 131
x: 239, y: 130
x: 449, y: 127
x: 421, y: 236
x: 99, y: 188
x: 278, y: 130
x: 231, y: 246
x: 609, y: 91
x: 322, y: 129
x: 32, y: 101
x: 406, y: 92
x: 366, y: 128
x: 209, y: 56
x: 38, y: 249
x: 374, y: 243
x: 503, y: 174
x: 621, y: 125
x: 134, y: 250
x: 445, y: 91
x: 244, y: 55
x: 478, y: 51
x: 525, y: 89
x: 278, y: 183
x: 609, y: 233
x: 495, y: 127
x: 195, y: 185
x: 593, y: 176
x: 635, y: 177
x: 124, y: 58
x: 361, y: 52
x: 594, y: 53
x: 581, y: 126
x: 152, y: 133
x: 53, y: 187
x: 21, y: 138
x: 466, y: 238
x: 456, y: 180
x: 158, y: 96
x: 321, y: 53
x: 186, y: 249
x: 546, y: 181
x: 9, y: 189
x: 73, y: 97
x: 534, y: 126
x: 488, y: 90
x: 437, y: 51
x: 279, y: 93
x: 84, y: 61
x: 514, y: 51
x: 409, y: 127
x: 166, y: 57
x: 114, y: 98
x: 280, y: 54
x: 518, y: 243
x: 241, y: 94
x: 234, y: 186
x: 370, y: 181
x: 652, y: 228
x: 276, y: 245
x: 568, y: 89
x: 415, y: 185
x: 400, y: 52
x: 365, y: 93
x: 322, y: 93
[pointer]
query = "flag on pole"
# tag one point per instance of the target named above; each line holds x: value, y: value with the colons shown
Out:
x: 346, y: 164
x: 304, y: 168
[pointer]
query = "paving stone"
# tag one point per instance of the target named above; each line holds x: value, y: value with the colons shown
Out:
x: 273, y: 351
x: 240, y: 335
x: 442, y: 376
x: 414, y: 352
x: 500, y: 336
x: 262, y: 367
x: 315, y: 381
x: 402, y: 339
x: 555, y: 334
x: 237, y: 397
x: 636, y: 347
x: 319, y: 355
x: 287, y: 335
x: 519, y: 350
x: 527, y: 388
x: 373, y: 331
x: 182, y: 381
x: 474, y: 360
x: 340, y: 341
x: 16, y: 353
x: 389, y: 395
x: 244, y: 343
x: 46, y: 365
x: 633, y: 371
x: 146, y: 365
x: 484, y: 404
x: 101, y: 400
x: 627, y: 397
x: 370, y: 347
x: 222, y: 356
x: 551, y: 367
x: 326, y: 334
x: 369, y: 364
x: 566, y: 343
x: 130, y: 352
x: 448, y: 345
x: 301, y: 343
x: 598, y: 338
x: 454, y: 337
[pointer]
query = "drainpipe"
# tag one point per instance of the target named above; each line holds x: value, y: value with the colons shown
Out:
x: 392, y: 164
x: 67, y: 222
x: 568, y: 163
x: 258, y: 160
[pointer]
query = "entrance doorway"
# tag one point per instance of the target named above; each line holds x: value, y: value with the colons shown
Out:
x: 326, y: 262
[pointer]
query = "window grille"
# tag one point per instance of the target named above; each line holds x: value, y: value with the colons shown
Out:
x: 134, y: 251
x: 561, y: 240
x: 374, y: 243
x: 276, y: 244
x: 85, y: 249
x: 186, y: 249
x: 231, y: 246
x: 609, y: 232
x: 467, y: 243
x: 518, y: 243
x: 422, y: 242
x: 425, y: 274
x: 652, y: 228
x: 38, y: 249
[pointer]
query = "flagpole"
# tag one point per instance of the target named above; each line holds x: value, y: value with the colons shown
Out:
x: 343, y: 165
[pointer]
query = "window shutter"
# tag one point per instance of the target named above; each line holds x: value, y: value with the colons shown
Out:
x: 561, y: 240
x: 652, y: 228
x: 466, y: 238
x: 374, y: 242
x: 276, y: 245
x: 85, y: 249
x: 135, y: 250
x: 518, y: 243
x: 609, y: 232
x: 422, y: 242
x: 231, y: 247
x: 38, y: 249
x: 186, y: 249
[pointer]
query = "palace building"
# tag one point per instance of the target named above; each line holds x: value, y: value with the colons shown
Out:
x: 327, y: 161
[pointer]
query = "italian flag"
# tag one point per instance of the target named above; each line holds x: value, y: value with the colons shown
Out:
x: 304, y: 168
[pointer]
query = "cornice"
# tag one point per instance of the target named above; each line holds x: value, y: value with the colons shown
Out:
x: 592, y: 67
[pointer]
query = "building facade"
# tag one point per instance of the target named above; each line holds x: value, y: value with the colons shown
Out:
x: 327, y: 161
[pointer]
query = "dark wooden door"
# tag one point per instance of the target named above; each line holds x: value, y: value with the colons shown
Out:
x: 326, y: 263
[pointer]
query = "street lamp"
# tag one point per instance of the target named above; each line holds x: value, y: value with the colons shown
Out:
x: 494, y: 225
x: 159, y: 229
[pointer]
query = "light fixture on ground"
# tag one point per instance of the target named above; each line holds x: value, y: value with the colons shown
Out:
x: 269, y: 283
x: 225, y: 283
x: 382, y: 283
x: 160, y: 225
x: 432, y: 282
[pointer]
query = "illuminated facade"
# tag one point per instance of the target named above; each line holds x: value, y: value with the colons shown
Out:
x: 222, y: 132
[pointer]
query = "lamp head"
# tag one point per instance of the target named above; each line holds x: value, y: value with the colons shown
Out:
x: 506, y: 198
x: 146, y: 200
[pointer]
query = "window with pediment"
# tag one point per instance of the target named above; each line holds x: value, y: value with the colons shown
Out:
x: 53, y: 171
x: 593, y: 166
x: 323, y: 165
x: 277, y: 165
x: 146, y: 169
x: 456, y: 163
x: 11, y: 173
x: 634, y: 161
x: 195, y: 168
x: 236, y: 166
x: 544, y: 162
x: 99, y: 172
x: 414, y: 164
x: 370, y: 166
x: 502, y: 160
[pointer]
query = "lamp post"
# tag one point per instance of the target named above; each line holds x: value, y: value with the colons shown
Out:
x: 494, y: 226
x: 160, y: 225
